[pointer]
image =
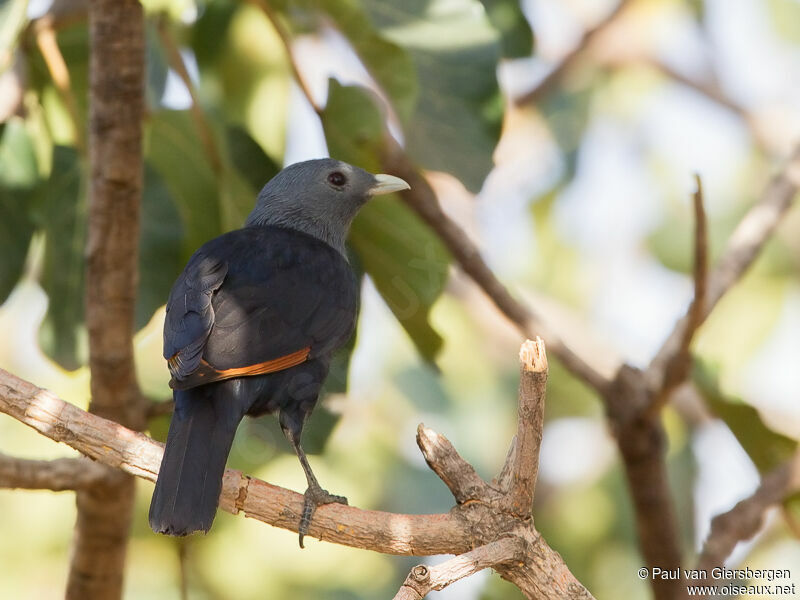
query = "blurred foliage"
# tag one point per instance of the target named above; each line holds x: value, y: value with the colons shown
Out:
x: 766, y: 448
x: 430, y: 77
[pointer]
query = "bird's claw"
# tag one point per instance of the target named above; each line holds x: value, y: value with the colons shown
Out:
x: 314, y: 497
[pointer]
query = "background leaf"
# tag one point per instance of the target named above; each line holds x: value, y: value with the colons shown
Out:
x: 161, y: 244
x: 62, y: 215
x: 766, y: 448
x: 454, y: 49
x: 506, y: 17
x: 18, y: 179
x: 405, y: 260
x: 175, y: 151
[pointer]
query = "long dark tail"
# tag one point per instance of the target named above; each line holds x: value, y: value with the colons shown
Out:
x: 198, y: 443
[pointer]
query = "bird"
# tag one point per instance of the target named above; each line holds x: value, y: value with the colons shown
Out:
x: 251, y: 324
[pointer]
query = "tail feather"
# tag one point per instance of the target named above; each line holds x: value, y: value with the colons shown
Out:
x: 198, y: 443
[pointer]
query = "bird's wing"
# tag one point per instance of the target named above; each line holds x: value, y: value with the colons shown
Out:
x: 190, y: 313
x: 285, y: 298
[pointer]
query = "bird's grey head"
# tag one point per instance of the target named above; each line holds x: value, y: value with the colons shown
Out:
x: 319, y: 197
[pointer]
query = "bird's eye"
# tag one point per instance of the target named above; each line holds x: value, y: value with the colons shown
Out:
x: 337, y: 179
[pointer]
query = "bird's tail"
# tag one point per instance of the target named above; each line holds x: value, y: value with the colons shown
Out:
x: 198, y: 443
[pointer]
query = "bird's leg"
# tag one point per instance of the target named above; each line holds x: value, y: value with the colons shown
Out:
x: 314, y: 495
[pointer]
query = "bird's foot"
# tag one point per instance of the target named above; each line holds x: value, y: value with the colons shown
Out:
x: 314, y: 497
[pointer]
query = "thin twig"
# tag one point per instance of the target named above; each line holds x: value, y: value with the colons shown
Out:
x: 744, y: 246
x: 552, y: 79
x: 524, y: 460
x: 58, y: 475
x: 286, y: 39
x: 744, y: 520
x: 59, y: 73
x: 424, y: 579
x: 177, y: 63
x: 678, y: 367
x: 712, y: 91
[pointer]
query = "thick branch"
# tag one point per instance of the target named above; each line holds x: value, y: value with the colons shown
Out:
x: 537, y: 570
x: 135, y: 453
x: 522, y: 467
x: 56, y: 475
x: 424, y: 579
x: 744, y: 520
x: 116, y: 109
x: 642, y: 443
x: 743, y: 248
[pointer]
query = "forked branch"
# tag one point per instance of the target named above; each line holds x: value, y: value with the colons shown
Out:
x: 488, y: 527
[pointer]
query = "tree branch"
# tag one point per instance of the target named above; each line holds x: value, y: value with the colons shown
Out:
x: 116, y: 110
x: 744, y: 520
x: 523, y: 461
x: 554, y: 77
x: 422, y: 199
x: 679, y: 364
x: 457, y: 474
x: 642, y: 443
x: 45, y: 35
x: 743, y: 248
x: 136, y: 454
x: 286, y: 39
x: 424, y: 579
x: 56, y: 475
x: 201, y: 122
x: 483, y: 520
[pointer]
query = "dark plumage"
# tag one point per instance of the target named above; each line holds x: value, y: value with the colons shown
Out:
x: 251, y: 325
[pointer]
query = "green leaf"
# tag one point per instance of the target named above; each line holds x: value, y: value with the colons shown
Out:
x: 389, y: 64
x: 766, y: 448
x: 698, y: 9
x: 353, y: 125
x: 459, y: 111
x: 506, y: 17
x: 249, y: 158
x: 567, y: 114
x: 407, y: 263
x: 16, y: 229
x: 160, y: 246
x: 62, y: 214
x: 405, y: 260
x: 785, y: 16
x: 74, y: 45
x: 244, y: 70
x: 13, y: 17
x: 157, y: 67
x: 18, y: 165
x: 175, y: 151
x: 18, y: 178
x: 208, y: 36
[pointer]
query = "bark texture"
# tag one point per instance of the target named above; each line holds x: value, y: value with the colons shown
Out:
x: 116, y: 109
